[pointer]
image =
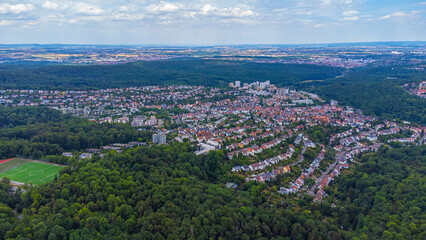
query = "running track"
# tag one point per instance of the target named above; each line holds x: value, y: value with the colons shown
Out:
x: 5, y: 160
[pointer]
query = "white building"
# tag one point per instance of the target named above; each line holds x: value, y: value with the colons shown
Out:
x: 159, y: 138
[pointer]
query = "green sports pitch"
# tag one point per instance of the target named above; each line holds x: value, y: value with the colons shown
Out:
x: 26, y: 171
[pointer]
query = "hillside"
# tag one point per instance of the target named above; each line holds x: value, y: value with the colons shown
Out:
x: 377, y: 91
x: 166, y: 192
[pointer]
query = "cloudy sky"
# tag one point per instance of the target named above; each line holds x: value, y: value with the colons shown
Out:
x: 209, y: 22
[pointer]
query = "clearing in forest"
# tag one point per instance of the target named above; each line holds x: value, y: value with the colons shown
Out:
x: 26, y: 171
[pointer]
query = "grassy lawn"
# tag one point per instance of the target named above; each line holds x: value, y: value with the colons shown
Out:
x: 16, y: 162
x: 25, y: 171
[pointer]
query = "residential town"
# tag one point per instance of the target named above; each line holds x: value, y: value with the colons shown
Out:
x: 268, y: 134
x: 417, y: 89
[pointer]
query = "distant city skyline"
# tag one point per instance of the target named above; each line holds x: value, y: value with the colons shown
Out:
x: 206, y: 22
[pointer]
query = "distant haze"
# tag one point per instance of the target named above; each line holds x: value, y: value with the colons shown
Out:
x: 205, y: 22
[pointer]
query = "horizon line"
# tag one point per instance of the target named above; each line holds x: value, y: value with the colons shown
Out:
x: 212, y: 45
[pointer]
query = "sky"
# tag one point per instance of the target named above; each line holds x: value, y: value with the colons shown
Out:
x: 210, y: 22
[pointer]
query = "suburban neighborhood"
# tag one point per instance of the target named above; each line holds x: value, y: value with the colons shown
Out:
x: 269, y: 134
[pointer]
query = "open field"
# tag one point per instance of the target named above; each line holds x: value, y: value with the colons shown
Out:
x: 26, y: 171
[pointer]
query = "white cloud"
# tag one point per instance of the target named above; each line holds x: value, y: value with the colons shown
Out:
x: 164, y: 7
x: 17, y: 8
x: 123, y: 8
x: 87, y: 9
x: 93, y: 18
x: 87, y: 19
x: 326, y: 2
x: 352, y: 18
x: 226, y: 12
x: 399, y: 14
x: 336, y: 2
x: 238, y: 20
x: 50, y: 5
x: 190, y: 14
x: 319, y: 25
x: 235, y: 12
x: 5, y: 23
x: 127, y: 17
x: 207, y: 8
x: 350, y: 13
x: 176, y: 12
x: 278, y: 10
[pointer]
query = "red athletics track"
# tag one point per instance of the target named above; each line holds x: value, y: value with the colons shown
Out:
x: 5, y: 160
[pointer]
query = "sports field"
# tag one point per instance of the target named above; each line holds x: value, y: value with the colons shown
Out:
x: 25, y: 171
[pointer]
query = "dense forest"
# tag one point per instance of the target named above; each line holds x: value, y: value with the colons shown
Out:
x: 37, y: 131
x: 166, y: 192
x: 192, y: 72
x: 385, y: 195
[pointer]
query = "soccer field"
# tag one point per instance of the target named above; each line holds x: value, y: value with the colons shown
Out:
x: 35, y: 172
